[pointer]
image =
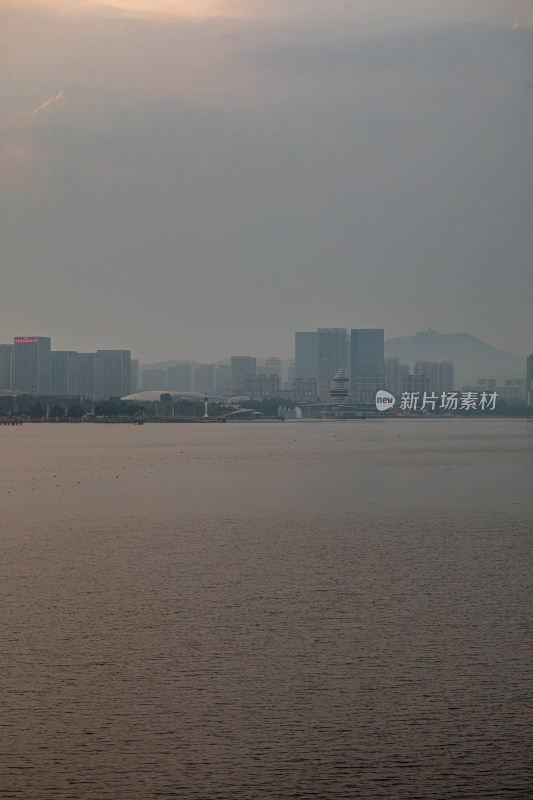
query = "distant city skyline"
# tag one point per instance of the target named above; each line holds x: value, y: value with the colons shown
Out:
x: 30, y: 365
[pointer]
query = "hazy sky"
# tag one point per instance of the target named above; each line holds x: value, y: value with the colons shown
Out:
x: 200, y: 178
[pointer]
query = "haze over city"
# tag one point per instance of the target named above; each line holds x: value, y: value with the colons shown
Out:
x: 192, y: 180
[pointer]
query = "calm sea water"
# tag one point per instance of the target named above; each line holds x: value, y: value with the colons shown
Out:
x: 230, y: 612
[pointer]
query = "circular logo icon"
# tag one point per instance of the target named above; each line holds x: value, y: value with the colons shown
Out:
x: 384, y: 400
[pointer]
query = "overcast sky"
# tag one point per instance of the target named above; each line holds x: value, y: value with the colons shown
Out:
x: 200, y: 178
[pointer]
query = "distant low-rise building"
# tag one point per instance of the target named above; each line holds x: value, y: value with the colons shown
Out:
x: 365, y: 388
x: 304, y: 389
x: 513, y: 391
x: 261, y: 386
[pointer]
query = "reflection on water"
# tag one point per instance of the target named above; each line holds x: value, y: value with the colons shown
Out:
x: 337, y: 610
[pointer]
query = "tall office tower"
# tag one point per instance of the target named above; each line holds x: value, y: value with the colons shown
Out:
x: 6, y: 366
x: 439, y: 374
x: 154, y: 380
x: 135, y: 376
x: 86, y: 371
x: 179, y: 377
x: 112, y: 373
x: 223, y: 379
x: 486, y: 384
x: 305, y: 354
x: 65, y: 374
x: 31, y: 364
x: 529, y: 379
x: 241, y: 367
x: 367, y: 346
x: 331, y: 356
x: 204, y: 379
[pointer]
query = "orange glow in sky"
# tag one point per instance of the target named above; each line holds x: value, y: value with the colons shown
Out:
x: 192, y: 9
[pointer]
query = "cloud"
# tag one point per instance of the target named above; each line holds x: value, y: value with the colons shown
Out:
x: 48, y: 103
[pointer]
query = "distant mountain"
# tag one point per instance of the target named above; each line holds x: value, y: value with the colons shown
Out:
x: 472, y: 358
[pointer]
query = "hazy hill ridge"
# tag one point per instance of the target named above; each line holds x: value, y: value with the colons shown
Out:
x: 472, y: 357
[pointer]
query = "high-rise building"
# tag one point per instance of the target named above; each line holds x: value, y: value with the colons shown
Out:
x: 242, y: 367
x: 446, y: 376
x: 135, y: 376
x: 31, y: 364
x: 393, y: 376
x: 367, y: 353
x: 179, y: 377
x: 65, y: 374
x: 86, y: 372
x: 305, y: 354
x: 112, y: 373
x: 6, y: 366
x: 223, y: 379
x: 529, y: 379
x: 440, y: 375
x: 331, y: 356
x: 204, y: 379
